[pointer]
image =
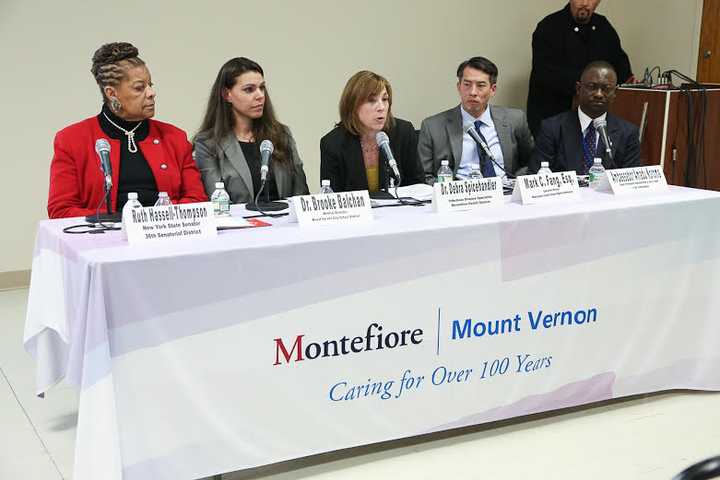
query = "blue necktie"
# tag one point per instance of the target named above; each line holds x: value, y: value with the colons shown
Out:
x: 486, y: 166
x: 589, y: 146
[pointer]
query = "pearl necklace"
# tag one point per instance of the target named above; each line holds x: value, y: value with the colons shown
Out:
x: 130, y: 134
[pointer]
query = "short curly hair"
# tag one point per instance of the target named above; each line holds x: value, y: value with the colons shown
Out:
x: 110, y: 63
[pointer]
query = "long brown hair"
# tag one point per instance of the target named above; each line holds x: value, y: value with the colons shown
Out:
x: 219, y: 119
x: 358, y: 90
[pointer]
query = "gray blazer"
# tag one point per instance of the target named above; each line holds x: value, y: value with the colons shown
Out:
x: 225, y: 162
x: 441, y: 139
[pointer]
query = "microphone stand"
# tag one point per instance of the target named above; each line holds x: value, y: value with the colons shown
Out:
x: 605, y: 138
x: 384, y: 192
x: 108, y: 203
x: 389, y: 174
x: 488, y: 153
x: 266, y: 206
x: 101, y: 218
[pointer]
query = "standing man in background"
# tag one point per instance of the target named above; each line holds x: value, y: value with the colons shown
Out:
x: 563, y: 43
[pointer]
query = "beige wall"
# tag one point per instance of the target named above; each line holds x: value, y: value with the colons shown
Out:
x: 308, y: 48
x: 658, y: 32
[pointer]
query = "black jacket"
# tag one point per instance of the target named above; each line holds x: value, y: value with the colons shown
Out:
x: 341, y: 159
x: 561, y: 48
x: 560, y: 143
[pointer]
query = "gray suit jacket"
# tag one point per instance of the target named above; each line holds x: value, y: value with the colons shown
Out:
x: 225, y: 162
x: 441, y: 139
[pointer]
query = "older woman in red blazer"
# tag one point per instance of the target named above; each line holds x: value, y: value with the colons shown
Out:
x: 147, y: 156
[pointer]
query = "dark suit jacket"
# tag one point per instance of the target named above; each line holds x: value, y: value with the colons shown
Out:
x: 341, y: 159
x: 226, y: 162
x: 560, y: 53
x: 560, y: 143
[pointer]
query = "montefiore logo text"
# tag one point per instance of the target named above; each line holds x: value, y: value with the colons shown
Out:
x: 374, y: 339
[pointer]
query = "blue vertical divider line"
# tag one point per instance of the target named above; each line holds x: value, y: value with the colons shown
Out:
x: 437, y: 352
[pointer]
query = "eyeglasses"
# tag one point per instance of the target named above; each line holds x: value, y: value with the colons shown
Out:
x: 593, y: 87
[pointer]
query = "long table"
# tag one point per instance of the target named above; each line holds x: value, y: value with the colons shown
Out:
x: 262, y: 345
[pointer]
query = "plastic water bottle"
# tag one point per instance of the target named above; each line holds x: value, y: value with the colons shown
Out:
x: 475, y: 174
x: 596, y: 173
x: 220, y: 200
x: 444, y: 174
x: 163, y: 200
x: 544, y: 168
x: 131, y: 204
x: 325, y: 187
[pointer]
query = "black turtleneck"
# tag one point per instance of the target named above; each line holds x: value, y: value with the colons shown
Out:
x: 135, y: 174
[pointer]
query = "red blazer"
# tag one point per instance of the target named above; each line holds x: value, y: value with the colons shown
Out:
x: 76, y: 180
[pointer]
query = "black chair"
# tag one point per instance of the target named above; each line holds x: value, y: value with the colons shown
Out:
x: 709, y: 468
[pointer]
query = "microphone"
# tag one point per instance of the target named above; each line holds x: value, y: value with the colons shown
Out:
x: 383, y: 142
x: 601, y: 126
x: 266, y: 150
x: 469, y: 128
x: 102, y: 148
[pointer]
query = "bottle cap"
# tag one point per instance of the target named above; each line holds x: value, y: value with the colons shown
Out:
x: 132, y: 195
x: 597, y: 160
x: 544, y: 164
x: 219, y: 184
x: 162, y: 194
x: 325, y: 183
x: 444, y: 163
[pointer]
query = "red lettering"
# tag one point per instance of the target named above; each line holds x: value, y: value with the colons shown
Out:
x: 280, y: 348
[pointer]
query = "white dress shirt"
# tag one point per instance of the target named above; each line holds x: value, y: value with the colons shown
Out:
x: 585, y: 122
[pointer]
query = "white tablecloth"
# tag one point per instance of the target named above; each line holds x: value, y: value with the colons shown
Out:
x: 204, y: 356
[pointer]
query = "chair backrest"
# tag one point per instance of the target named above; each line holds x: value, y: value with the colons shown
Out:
x: 709, y: 468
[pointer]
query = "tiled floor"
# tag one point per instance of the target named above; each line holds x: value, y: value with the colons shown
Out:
x: 644, y: 438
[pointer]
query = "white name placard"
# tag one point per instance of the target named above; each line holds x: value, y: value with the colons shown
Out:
x: 332, y: 208
x: 629, y: 181
x: 467, y: 194
x: 543, y: 188
x: 186, y: 220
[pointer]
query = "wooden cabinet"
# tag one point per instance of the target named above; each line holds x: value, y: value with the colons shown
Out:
x: 689, y: 160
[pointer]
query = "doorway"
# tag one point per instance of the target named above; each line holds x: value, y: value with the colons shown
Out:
x: 708, y: 66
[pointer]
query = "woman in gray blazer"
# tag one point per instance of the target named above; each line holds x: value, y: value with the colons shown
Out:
x: 239, y: 116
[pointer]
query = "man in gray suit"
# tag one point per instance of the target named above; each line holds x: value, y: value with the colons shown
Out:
x: 506, y: 139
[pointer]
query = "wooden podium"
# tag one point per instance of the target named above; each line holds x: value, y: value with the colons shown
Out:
x: 688, y: 160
